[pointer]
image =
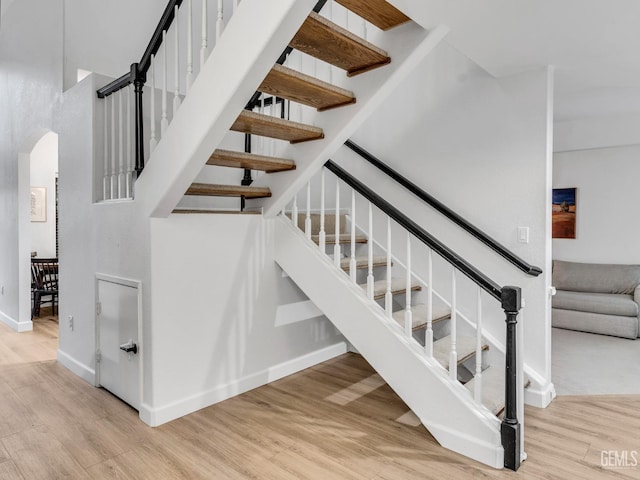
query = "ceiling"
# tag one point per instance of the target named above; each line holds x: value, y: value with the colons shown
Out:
x: 594, y: 45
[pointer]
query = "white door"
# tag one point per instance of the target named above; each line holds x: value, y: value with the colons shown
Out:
x: 118, y: 364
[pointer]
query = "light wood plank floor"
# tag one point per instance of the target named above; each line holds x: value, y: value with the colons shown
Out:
x: 334, y: 421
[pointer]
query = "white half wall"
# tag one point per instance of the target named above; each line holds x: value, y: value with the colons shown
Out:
x: 608, y: 197
x: 482, y: 146
x: 222, y: 317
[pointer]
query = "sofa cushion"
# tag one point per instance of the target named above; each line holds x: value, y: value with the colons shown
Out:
x: 626, y: 327
x: 595, y: 277
x: 605, y: 303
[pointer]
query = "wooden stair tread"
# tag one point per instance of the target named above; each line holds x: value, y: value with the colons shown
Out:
x: 379, y: 12
x: 213, y: 190
x: 398, y: 286
x: 465, y: 348
x: 198, y: 211
x: 363, y: 262
x: 419, y: 315
x: 331, y: 43
x: 252, y: 161
x: 345, y: 238
x: 275, y: 127
x: 301, y: 88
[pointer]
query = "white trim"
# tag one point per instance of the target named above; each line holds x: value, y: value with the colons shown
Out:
x: 85, y: 372
x: 157, y: 416
x: 15, y: 325
x: 474, y: 448
x: 540, y: 396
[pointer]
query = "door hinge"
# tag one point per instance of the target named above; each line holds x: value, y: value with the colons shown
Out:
x: 98, y: 308
x: 98, y: 356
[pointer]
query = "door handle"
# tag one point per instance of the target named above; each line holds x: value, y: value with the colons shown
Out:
x: 129, y: 347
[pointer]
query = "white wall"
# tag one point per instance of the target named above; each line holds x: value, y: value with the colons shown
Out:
x: 44, y: 170
x: 608, y: 230
x: 30, y: 87
x: 481, y: 146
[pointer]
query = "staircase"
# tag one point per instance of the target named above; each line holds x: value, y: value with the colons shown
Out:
x: 322, y: 39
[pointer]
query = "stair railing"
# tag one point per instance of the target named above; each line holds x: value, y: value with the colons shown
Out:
x: 330, y: 238
x: 446, y: 211
x: 168, y: 78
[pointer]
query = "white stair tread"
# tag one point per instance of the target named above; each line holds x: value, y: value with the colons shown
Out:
x: 492, y: 388
x: 465, y: 348
x: 363, y: 262
x: 419, y: 315
x: 398, y: 285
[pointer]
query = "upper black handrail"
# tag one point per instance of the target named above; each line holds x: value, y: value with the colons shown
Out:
x: 446, y: 211
x: 421, y: 234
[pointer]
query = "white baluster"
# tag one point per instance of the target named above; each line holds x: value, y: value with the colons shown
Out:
x: 164, y: 122
x: 337, y: 255
x: 408, y: 314
x: 272, y: 141
x: 112, y: 182
x: 120, y: 146
x: 352, y: 263
x: 262, y: 139
x: 428, y: 338
x: 294, y: 211
x: 388, y: 297
x: 176, y: 93
x: 330, y: 17
x: 189, y: 79
x: 365, y: 33
x: 453, y: 356
x: 205, y: 35
x: 322, y: 236
x: 153, y: 142
x: 477, y: 389
x: 220, y: 20
x: 307, y: 220
x: 300, y: 109
x: 370, y: 278
x: 105, y: 178
x: 128, y: 176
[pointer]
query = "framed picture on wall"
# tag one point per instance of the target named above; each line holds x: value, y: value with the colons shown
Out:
x: 38, y: 204
x: 563, y: 213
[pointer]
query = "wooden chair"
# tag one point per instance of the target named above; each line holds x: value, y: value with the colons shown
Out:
x: 44, y: 282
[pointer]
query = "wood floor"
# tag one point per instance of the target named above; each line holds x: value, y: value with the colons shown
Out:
x: 337, y: 420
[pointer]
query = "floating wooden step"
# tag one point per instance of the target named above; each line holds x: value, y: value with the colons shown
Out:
x: 379, y: 12
x: 345, y: 238
x: 419, y: 315
x: 211, y: 190
x: 465, y: 348
x: 398, y: 286
x: 300, y: 88
x: 196, y: 211
x: 363, y: 262
x: 275, y: 127
x: 226, y: 158
x: 331, y: 43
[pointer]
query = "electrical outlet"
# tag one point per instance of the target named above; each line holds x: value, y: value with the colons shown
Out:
x: 70, y: 321
x: 523, y: 234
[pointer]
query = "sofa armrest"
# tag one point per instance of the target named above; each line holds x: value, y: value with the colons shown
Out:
x: 636, y: 295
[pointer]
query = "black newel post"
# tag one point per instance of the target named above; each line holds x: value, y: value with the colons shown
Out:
x: 510, y: 428
x: 139, y: 79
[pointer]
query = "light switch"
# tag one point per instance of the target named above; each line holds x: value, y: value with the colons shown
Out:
x: 523, y: 234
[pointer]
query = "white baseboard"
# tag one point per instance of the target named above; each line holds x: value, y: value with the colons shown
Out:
x: 83, y: 371
x: 491, y: 454
x: 14, y: 324
x: 540, y: 397
x: 157, y: 416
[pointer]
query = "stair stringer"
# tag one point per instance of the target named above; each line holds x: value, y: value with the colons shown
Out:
x: 443, y: 406
x: 253, y: 39
x: 407, y: 45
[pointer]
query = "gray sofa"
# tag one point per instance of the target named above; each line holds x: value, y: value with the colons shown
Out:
x: 597, y: 298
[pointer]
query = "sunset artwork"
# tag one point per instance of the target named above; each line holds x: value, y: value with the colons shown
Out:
x: 563, y: 213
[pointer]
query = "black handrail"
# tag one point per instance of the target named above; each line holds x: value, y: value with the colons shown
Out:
x: 446, y: 211
x: 508, y: 296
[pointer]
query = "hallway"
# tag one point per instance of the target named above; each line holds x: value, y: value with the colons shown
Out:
x: 334, y: 421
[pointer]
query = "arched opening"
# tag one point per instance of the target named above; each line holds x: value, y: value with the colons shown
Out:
x: 37, y: 206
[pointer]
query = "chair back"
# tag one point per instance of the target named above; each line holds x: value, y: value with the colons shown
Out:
x: 44, y: 274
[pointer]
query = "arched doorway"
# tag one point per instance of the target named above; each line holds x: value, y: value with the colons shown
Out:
x: 37, y: 207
